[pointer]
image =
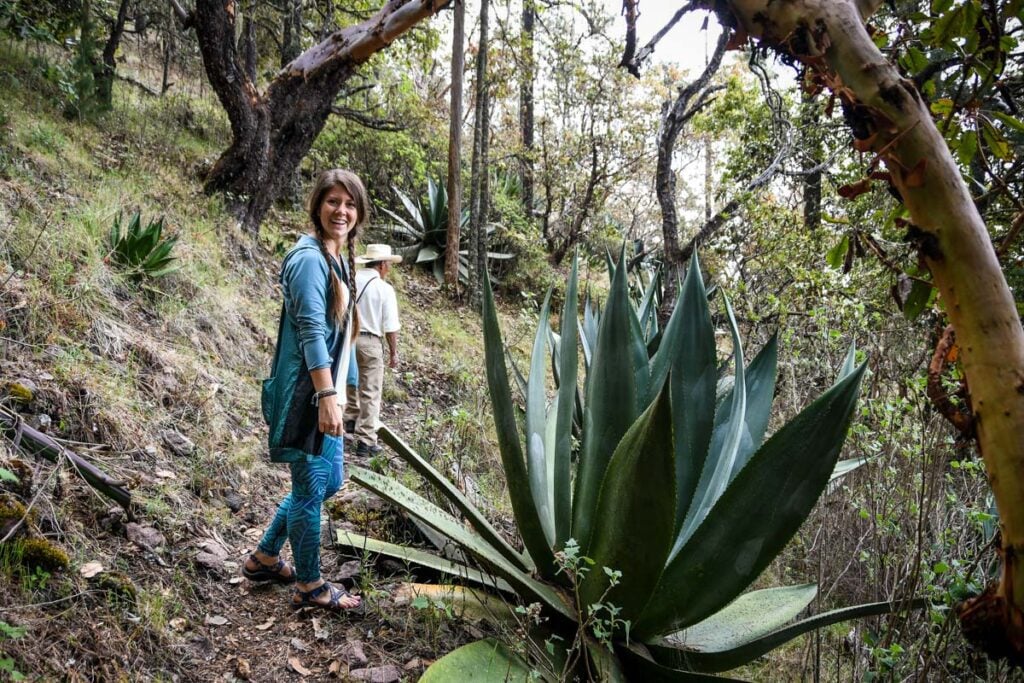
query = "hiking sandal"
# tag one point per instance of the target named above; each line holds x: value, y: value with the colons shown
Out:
x: 268, y: 572
x: 307, y: 599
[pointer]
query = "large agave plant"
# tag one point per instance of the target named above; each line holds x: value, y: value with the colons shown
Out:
x: 640, y: 543
x: 425, y: 229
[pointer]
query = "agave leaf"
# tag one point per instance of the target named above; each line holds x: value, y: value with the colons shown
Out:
x: 760, y: 384
x: 606, y: 665
x: 365, y: 544
x: 568, y: 369
x: 536, y: 426
x: 464, y: 602
x: 850, y: 362
x: 525, y: 585
x: 453, y: 494
x: 483, y: 661
x: 428, y: 254
x: 648, y: 310
x: 508, y: 440
x: 693, y: 381
x: 844, y: 467
x: 633, y: 531
x: 402, y: 226
x: 727, y: 439
x: 640, y: 667
x: 115, y: 234
x: 500, y: 255
x: 755, y: 516
x: 160, y: 272
x: 437, y: 196
x: 733, y: 647
x: 612, y: 402
x: 414, y: 210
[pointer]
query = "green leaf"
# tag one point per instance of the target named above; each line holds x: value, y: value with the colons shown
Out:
x: 914, y: 60
x: 476, y: 519
x: 837, y: 254
x: 844, y: 467
x: 508, y: 440
x: 639, y: 667
x: 760, y: 382
x: 733, y: 648
x: 1010, y: 122
x: 997, y: 144
x: 428, y: 254
x: 365, y: 544
x: 606, y: 666
x: 526, y: 586
x: 536, y: 427
x: 568, y: 368
x: 414, y: 210
x: 485, y: 661
x: 693, y: 381
x: 756, y: 516
x: 849, y: 363
x: 7, y: 475
x: 633, y: 531
x: 612, y: 402
x: 920, y: 293
x: 728, y: 438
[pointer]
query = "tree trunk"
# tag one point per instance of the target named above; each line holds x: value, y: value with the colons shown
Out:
x: 674, y: 117
x: 526, y: 77
x: 478, y: 168
x: 291, y: 31
x: 249, y: 56
x: 953, y: 242
x: 451, y: 257
x: 107, y: 68
x: 271, y: 132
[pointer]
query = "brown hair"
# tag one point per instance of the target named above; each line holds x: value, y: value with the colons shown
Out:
x: 350, y: 182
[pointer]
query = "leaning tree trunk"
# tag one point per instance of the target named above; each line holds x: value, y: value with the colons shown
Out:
x: 272, y: 131
x: 107, y: 68
x: 526, y: 76
x: 830, y: 37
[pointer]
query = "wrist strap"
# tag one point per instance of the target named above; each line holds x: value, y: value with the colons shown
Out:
x: 323, y: 393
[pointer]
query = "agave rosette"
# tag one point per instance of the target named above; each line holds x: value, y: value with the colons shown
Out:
x: 672, y: 486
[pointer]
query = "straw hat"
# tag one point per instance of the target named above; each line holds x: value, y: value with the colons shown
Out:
x: 378, y: 252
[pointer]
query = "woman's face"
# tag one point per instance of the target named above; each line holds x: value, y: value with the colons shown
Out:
x: 338, y: 214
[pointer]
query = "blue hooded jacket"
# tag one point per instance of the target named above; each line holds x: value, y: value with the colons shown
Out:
x: 308, y: 338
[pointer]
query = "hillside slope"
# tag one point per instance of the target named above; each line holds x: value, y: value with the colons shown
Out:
x: 155, y: 381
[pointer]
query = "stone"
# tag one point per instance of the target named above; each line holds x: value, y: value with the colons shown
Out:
x: 349, y: 570
x: 41, y: 422
x: 233, y: 500
x: 179, y: 444
x: 145, y: 537
x: 352, y: 652
x: 388, y: 673
x: 211, y: 563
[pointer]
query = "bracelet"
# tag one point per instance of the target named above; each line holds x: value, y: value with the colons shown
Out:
x: 323, y: 393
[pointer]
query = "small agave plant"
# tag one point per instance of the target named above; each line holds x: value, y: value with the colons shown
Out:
x: 142, y: 251
x: 426, y: 230
x: 642, y: 535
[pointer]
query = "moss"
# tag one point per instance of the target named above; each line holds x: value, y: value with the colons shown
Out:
x: 41, y: 553
x: 117, y: 586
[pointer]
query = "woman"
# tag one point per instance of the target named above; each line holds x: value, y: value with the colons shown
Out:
x: 303, y: 399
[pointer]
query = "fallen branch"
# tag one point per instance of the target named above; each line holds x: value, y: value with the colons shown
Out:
x: 37, y: 443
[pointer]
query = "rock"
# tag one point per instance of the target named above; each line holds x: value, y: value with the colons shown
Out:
x: 416, y: 664
x: 179, y: 444
x: 352, y: 652
x: 41, y: 422
x: 377, y: 674
x: 349, y: 570
x: 211, y: 563
x: 233, y: 501
x: 213, y: 548
x: 145, y: 537
x: 112, y: 520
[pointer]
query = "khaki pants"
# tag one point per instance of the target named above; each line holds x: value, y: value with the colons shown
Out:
x: 363, y: 405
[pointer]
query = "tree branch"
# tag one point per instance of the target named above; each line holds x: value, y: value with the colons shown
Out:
x: 367, y: 121
x: 632, y: 62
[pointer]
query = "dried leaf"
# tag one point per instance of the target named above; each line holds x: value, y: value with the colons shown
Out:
x: 297, y: 667
x: 335, y: 668
x: 90, y: 569
x: 265, y: 625
x: 242, y: 669
x: 179, y: 624
x: 165, y: 474
x: 215, y: 620
x: 299, y: 645
x: 319, y: 632
x: 865, y: 144
x: 855, y: 189
x: 952, y: 354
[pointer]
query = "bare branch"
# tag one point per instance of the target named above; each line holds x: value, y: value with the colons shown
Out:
x: 633, y: 62
x: 363, y: 119
x: 186, y: 18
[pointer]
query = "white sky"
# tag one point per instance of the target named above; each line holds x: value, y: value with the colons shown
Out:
x: 685, y: 44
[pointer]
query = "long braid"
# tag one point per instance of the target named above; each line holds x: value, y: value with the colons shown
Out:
x: 337, y: 309
x: 353, y: 238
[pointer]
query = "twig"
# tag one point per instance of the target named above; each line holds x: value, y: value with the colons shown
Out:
x: 964, y: 422
x: 32, y: 251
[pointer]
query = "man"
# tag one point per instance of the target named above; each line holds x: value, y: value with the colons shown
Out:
x: 378, y: 320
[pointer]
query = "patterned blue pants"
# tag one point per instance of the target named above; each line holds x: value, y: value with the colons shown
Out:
x: 298, y: 515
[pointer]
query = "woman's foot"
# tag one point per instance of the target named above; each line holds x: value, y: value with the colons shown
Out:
x: 323, y: 595
x: 262, y: 567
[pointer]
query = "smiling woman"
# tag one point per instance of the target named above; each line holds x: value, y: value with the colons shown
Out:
x: 302, y: 399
